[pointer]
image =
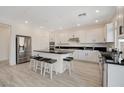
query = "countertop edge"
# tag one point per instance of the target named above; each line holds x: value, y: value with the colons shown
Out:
x: 115, y: 63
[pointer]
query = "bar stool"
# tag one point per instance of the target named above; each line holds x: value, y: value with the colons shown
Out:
x: 48, y: 66
x: 68, y: 61
x: 32, y: 62
x: 39, y: 64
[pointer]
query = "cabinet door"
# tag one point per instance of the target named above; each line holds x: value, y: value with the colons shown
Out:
x: 110, y: 32
x: 95, y: 36
x: 82, y: 36
x: 99, y: 35
x: 61, y: 38
x: 120, y: 20
x: 90, y: 37
x: 57, y: 38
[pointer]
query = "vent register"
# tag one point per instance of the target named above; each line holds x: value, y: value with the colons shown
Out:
x: 74, y: 39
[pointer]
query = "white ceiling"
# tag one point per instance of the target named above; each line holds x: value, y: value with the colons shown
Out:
x: 57, y: 17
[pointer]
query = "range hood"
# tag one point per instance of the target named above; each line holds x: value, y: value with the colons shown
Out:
x: 74, y: 39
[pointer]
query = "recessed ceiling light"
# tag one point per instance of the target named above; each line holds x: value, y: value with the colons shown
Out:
x: 60, y: 28
x: 97, y: 21
x: 26, y: 22
x: 78, y: 24
x: 119, y: 16
x: 41, y: 27
x: 97, y: 11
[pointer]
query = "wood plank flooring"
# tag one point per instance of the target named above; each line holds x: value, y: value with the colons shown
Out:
x: 84, y: 74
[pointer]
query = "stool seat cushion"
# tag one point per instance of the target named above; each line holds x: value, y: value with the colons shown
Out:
x: 68, y: 59
x: 41, y: 59
x: 37, y: 58
x: 46, y: 59
x: 33, y: 57
x: 51, y: 61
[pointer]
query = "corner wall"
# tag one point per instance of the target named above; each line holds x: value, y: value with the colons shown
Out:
x: 4, y: 42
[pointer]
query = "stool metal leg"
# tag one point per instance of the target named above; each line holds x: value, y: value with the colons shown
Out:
x: 32, y: 64
x: 38, y: 65
x: 45, y: 64
x: 69, y: 68
x: 51, y: 71
x: 41, y: 68
x: 31, y: 61
x: 54, y: 68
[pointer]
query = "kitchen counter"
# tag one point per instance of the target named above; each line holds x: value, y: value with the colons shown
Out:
x: 54, y: 52
x: 114, y: 63
x: 108, y: 58
x: 103, y: 49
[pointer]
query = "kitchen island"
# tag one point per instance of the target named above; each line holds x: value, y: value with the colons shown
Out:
x: 59, y: 66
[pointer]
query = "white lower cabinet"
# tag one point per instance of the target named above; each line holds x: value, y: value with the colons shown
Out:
x: 113, y: 75
x: 87, y: 55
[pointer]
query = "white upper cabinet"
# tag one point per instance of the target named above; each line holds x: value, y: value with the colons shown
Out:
x: 61, y: 38
x: 120, y: 21
x: 51, y: 36
x: 99, y: 35
x: 95, y: 36
x: 109, y: 32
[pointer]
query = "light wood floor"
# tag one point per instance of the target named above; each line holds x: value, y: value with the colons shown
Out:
x: 84, y: 74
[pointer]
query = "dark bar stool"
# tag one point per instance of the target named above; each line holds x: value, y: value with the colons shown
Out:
x: 36, y: 63
x: 33, y: 62
x: 39, y: 64
x: 48, y: 66
x: 68, y: 61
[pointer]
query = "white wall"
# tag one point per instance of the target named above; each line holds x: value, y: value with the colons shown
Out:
x: 4, y: 42
x: 40, y: 39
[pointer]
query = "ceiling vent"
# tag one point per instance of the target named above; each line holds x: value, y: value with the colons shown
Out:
x: 82, y: 14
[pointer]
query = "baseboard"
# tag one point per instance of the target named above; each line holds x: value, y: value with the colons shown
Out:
x: 3, y: 59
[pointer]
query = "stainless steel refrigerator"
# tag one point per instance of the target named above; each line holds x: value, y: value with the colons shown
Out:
x: 23, y: 49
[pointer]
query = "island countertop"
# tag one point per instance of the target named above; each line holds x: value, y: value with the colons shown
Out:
x: 53, y: 52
